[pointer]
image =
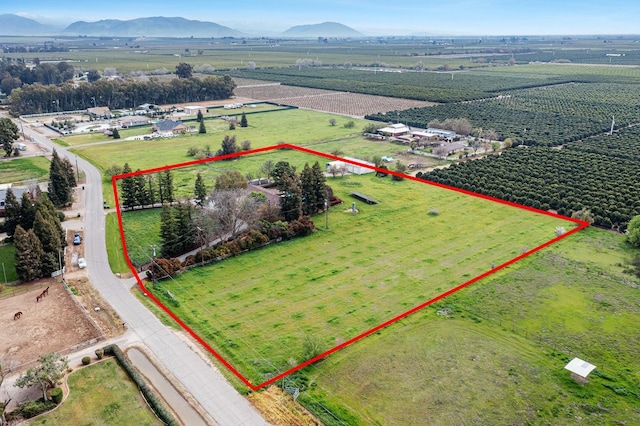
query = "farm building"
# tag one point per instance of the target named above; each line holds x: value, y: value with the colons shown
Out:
x: 395, y: 130
x: 435, y: 134
x: 193, y: 109
x: 169, y: 126
x: 363, y: 169
x: 133, y: 120
x: 99, y: 112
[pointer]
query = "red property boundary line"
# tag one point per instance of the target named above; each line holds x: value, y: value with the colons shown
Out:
x: 114, y: 179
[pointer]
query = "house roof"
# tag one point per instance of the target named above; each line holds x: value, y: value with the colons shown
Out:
x: 99, y: 111
x: 580, y: 367
x: 395, y: 129
x: 16, y: 191
x: 167, y: 125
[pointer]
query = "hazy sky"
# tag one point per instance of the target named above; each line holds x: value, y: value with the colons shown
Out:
x: 373, y: 17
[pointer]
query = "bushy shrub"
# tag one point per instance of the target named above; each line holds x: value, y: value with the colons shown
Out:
x: 56, y: 395
x: 99, y: 353
x: 31, y: 409
x: 301, y: 226
x: 161, y: 267
x: 86, y: 360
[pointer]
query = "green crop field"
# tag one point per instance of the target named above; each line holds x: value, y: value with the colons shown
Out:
x: 19, y: 170
x: 496, y: 351
x: 258, y: 308
x: 101, y: 394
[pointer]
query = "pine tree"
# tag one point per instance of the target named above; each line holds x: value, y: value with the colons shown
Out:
x: 8, y: 134
x: 59, y: 187
x: 291, y: 198
x: 71, y: 175
x: 308, y: 187
x: 199, y: 116
x: 115, y: 133
x: 49, y: 237
x: 184, y: 228
x: 13, y: 212
x: 151, y: 190
x: 49, y: 212
x: 320, y: 186
x: 28, y: 210
x: 200, y: 190
x: 228, y: 145
x: 243, y: 120
x: 128, y: 191
x: 29, y: 254
x: 168, y: 231
x: 140, y: 190
x: 202, y: 129
x: 166, y: 186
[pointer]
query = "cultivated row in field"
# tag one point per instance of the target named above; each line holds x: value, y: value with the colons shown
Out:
x: 345, y: 103
x: 543, y: 116
x: 600, y: 175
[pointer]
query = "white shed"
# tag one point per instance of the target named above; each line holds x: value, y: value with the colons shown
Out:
x: 579, y: 369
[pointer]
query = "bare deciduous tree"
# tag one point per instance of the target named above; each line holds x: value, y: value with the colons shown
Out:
x: 233, y: 211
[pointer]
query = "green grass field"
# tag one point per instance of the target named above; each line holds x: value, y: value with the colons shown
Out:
x: 101, y: 394
x: 19, y: 170
x: 498, y: 356
x: 8, y: 256
x: 115, y: 252
x: 142, y: 226
x: 257, y: 309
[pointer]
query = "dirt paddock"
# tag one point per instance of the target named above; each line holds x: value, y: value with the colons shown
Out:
x: 51, y: 325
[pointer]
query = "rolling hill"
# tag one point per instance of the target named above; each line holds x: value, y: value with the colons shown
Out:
x: 325, y: 29
x: 151, y: 27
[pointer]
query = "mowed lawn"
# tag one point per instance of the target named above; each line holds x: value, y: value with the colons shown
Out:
x: 495, y: 352
x: 101, y: 394
x: 23, y: 169
x: 265, y: 129
x: 258, y: 308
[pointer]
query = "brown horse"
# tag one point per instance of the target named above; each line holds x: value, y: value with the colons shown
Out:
x: 17, y: 315
x: 45, y: 292
x: 39, y: 297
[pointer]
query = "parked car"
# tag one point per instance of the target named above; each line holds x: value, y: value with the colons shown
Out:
x: 82, y: 263
x: 77, y: 239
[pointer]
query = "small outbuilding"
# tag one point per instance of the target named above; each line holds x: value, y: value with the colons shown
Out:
x: 579, y: 370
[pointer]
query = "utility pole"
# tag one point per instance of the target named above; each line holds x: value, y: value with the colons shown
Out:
x: 153, y: 246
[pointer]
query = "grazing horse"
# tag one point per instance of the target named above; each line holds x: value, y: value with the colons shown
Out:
x: 45, y: 292
x: 17, y: 315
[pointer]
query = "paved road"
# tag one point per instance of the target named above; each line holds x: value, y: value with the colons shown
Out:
x: 201, y: 379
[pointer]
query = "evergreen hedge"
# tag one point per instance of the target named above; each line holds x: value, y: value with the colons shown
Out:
x: 153, y: 400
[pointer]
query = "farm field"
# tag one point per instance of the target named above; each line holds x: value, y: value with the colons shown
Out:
x: 20, y: 170
x: 496, y: 350
x: 101, y: 394
x: 345, y: 103
x: 362, y: 271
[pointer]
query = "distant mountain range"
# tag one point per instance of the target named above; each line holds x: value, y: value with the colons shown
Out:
x: 17, y: 25
x: 160, y: 27
x: 152, y: 27
x: 326, y: 29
